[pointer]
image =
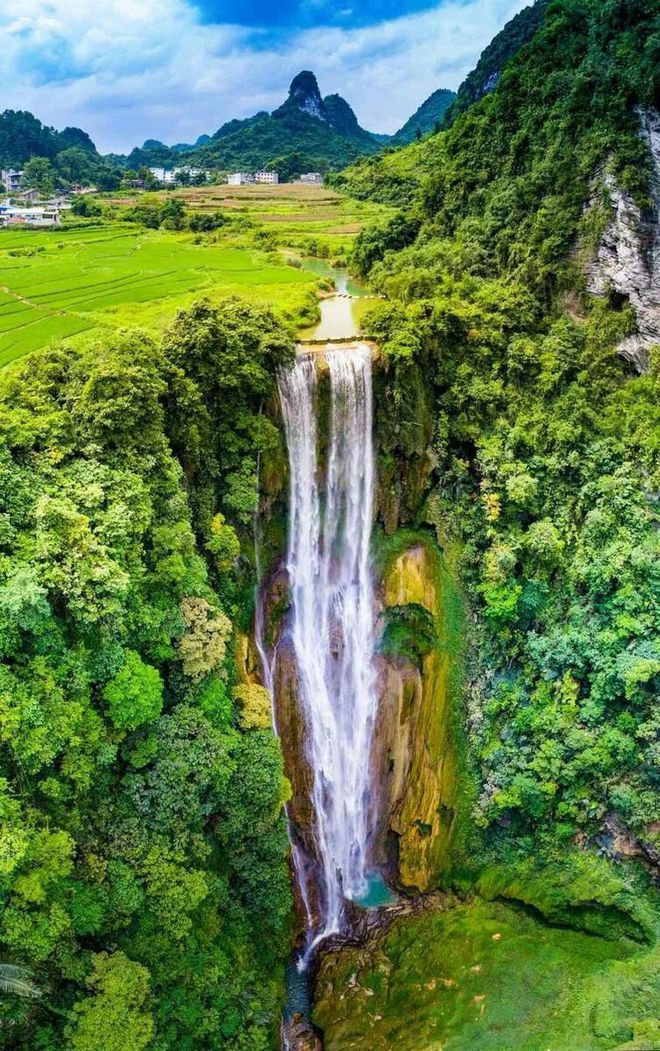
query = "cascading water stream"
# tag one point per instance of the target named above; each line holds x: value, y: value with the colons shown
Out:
x: 333, y: 615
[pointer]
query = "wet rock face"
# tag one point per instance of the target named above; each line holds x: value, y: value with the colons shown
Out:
x: 627, y: 260
x: 412, y: 756
x: 298, y: 1034
x: 413, y: 765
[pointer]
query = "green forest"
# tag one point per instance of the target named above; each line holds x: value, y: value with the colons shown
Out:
x: 144, y: 880
x: 544, y: 442
x: 146, y: 898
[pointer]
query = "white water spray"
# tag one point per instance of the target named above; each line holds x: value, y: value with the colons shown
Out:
x: 333, y: 613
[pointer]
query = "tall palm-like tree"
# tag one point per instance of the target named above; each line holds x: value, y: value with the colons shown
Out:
x: 19, y: 981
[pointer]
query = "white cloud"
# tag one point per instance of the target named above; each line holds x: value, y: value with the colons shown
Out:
x: 127, y: 70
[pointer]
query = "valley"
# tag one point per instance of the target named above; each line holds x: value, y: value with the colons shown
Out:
x: 329, y: 554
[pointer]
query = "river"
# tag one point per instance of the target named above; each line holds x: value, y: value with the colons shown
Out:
x: 341, y: 312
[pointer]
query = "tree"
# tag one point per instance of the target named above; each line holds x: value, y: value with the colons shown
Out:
x: 203, y: 645
x: 39, y: 175
x: 117, y: 1014
x: 18, y: 981
x: 74, y: 164
x: 135, y: 695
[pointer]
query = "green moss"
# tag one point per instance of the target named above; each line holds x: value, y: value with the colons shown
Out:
x: 486, y: 976
x: 408, y: 631
x: 580, y: 889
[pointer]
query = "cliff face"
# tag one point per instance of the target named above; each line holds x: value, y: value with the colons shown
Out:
x: 413, y: 748
x: 627, y: 260
x: 413, y: 753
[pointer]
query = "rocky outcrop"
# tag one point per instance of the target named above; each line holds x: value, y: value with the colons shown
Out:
x: 617, y: 842
x: 413, y: 752
x: 627, y: 260
x: 298, y: 1034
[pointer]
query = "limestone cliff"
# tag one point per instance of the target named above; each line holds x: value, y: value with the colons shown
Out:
x: 414, y: 751
x: 627, y: 260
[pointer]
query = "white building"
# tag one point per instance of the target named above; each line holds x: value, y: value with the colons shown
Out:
x: 191, y: 172
x: 271, y: 177
x: 240, y: 179
x: 30, y: 217
x: 312, y: 178
x: 11, y: 179
x: 163, y: 175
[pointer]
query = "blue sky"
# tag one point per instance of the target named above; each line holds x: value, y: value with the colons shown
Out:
x: 126, y: 70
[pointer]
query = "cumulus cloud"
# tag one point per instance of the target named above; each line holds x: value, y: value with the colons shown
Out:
x: 126, y: 71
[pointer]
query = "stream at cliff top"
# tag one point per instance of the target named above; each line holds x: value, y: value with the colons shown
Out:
x: 333, y: 619
x: 341, y: 313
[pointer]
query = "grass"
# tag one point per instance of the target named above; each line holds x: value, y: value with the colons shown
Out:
x: 291, y: 215
x: 115, y: 275
x: 83, y: 281
x: 488, y: 977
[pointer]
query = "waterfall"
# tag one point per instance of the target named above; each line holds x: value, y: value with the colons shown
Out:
x: 333, y: 606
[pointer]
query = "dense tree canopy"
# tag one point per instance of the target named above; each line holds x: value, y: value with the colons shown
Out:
x: 143, y: 850
x: 541, y: 447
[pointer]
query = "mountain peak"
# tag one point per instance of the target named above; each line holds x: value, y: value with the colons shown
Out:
x: 304, y: 94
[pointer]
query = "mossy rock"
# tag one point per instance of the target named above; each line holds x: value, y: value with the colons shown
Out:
x: 485, y: 976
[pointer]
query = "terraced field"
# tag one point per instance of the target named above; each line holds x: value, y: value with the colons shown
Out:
x: 57, y: 284
x: 290, y: 213
x: 65, y: 282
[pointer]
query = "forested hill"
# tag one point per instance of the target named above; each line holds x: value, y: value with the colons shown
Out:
x: 484, y: 78
x: 70, y: 154
x: 306, y: 133
x: 504, y: 321
x: 428, y: 117
x: 144, y: 883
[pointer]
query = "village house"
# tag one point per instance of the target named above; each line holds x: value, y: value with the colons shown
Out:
x: 173, y: 175
x: 312, y: 178
x: 270, y: 177
x: 240, y: 179
x: 30, y: 216
x: 11, y: 179
x: 163, y: 175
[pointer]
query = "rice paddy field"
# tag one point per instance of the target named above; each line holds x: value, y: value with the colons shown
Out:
x: 290, y: 213
x: 79, y: 282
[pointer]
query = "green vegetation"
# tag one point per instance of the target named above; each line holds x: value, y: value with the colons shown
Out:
x: 49, y: 156
x: 489, y: 976
x: 427, y: 118
x: 544, y: 455
x: 101, y: 277
x: 143, y: 884
x: 505, y: 46
x: 144, y: 898
x: 135, y: 259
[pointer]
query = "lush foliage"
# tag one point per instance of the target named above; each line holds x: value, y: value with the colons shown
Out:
x: 543, y: 450
x: 143, y: 878
x: 62, y: 158
x: 427, y: 118
x: 486, y: 74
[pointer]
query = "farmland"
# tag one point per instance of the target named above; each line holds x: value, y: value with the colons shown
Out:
x: 82, y: 281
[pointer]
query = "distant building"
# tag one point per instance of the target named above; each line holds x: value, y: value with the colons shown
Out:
x: 271, y: 177
x: 240, y: 179
x: 312, y: 178
x: 163, y: 175
x: 192, y: 173
x: 28, y: 196
x: 11, y: 179
x: 30, y: 217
